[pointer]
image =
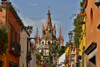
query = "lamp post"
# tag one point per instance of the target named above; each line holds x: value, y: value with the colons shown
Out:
x: 70, y: 36
x: 70, y: 49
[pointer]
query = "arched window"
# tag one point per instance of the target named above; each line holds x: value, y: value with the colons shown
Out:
x: 91, y: 16
x: 48, y: 42
x: 42, y: 42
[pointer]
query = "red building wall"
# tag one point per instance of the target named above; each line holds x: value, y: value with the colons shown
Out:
x: 10, y: 17
x: 12, y: 20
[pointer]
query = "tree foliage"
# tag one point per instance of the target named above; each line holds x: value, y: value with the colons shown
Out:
x: 3, y: 40
x: 30, y: 29
x: 53, y: 49
x: 38, y: 55
x: 78, y: 25
x: 61, y: 50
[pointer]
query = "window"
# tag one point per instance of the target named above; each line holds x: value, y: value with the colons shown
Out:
x: 23, y: 65
x: 42, y: 42
x: 1, y: 63
x: 91, y: 16
x: 11, y: 40
x: 15, y: 65
x: 16, y: 37
x: 48, y: 42
x: 10, y: 64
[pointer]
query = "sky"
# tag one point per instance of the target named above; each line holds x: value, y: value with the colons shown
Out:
x: 34, y: 13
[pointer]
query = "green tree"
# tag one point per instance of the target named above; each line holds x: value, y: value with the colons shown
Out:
x: 38, y: 55
x: 30, y: 29
x: 78, y: 26
x: 60, y: 51
x: 52, y: 51
x: 3, y: 39
x: 55, y: 52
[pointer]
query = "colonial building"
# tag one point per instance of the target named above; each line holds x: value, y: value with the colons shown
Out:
x: 9, y: 16
x: 92, y: 11
x: 48, y: 36
x: 68, y: 55
x: 17, y: 37
x: 23, y: 41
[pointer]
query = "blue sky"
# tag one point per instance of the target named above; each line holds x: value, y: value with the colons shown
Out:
x: 34, y: 12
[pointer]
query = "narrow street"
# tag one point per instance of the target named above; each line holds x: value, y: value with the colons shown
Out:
x: 49, y: 33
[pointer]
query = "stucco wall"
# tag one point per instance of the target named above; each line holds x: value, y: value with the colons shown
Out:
x: 61, y: 60
x: 23, y: 42
x: 33, y: 61
x: 92, y: 33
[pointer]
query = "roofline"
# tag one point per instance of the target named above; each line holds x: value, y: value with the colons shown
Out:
x: 16, y: 15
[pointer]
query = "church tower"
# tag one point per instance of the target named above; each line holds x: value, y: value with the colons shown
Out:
x: 48, y: 25
x: 60, y: 39
x: 48, y: 36
x: 37, y: 38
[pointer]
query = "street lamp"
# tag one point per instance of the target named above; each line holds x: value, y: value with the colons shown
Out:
x: 70, y: 36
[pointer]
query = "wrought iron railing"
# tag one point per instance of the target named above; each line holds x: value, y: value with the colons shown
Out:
x: 15, y: 48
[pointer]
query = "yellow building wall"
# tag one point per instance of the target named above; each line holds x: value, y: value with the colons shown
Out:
x: 66, y: 54
x: 83, y: 43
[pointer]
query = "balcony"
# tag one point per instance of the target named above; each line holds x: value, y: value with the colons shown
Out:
x: 15, y: 49
x: 29, y: 56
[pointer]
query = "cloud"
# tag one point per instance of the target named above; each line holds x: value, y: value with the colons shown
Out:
x: 38, y: 24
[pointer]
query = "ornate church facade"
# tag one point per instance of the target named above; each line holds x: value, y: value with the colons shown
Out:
x: 48, y: 36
